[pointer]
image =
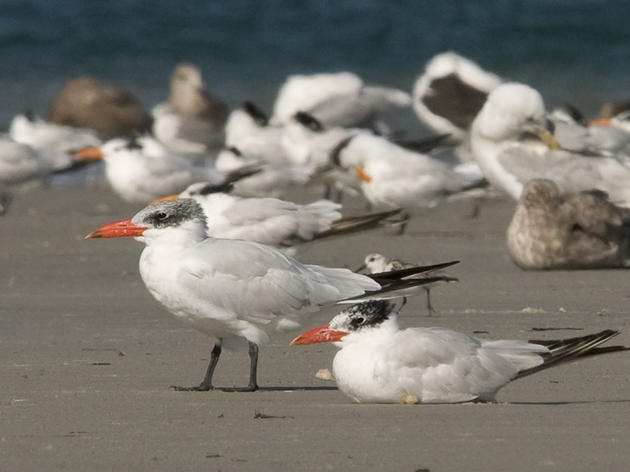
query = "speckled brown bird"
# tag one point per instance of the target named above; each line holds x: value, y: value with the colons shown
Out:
x: 108, y: 109
x: 192, y: 120
x: 189, y: 96
x: 576, y: 231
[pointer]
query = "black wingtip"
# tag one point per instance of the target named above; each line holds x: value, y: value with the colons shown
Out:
x: 402, y: 273
x: 358, y: 223
x: 234, y: 150
x: 567, y: 349
x: 242, y: 173
x: 424, y: 146
x: 220, y: 188
x: 335, y: 154
x: 391, y: 286
x: 259, y: 116
x: 576, y: 114
x: 308, y: 121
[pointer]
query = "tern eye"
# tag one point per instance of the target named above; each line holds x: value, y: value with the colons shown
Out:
x: 161, y: 216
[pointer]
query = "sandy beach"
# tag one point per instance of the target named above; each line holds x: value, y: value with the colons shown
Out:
x: 87, y: 358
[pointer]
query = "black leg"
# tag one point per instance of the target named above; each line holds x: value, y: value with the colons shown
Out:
x: 5, y: 201
x: 404, y: 302
x: 429, y: 306
x: 206, y: 383
x: 403, y: 224
x: 253, y: 369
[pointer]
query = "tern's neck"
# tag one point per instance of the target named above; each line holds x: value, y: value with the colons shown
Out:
x: 184, y: 236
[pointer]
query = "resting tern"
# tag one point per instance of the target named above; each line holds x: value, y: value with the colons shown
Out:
x: 28, y: 129
x: 573, y: 231
x: 233, y: 289
x: 142, y: 169
x: 380, y: 363
x: 248, y: 130
x: 393, y: 176
x: 508, y: 161
x: 271, y: 221
x: 21, y: 163
x: 307, y: 142
x: 573, y: 133
x: 375, y: 263
x: 273, y: 180
x: 337, y: 99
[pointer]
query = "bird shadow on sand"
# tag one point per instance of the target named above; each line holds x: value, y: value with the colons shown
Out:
x: 296, y: 389
x: 577, y: 402
x: 261, y: 389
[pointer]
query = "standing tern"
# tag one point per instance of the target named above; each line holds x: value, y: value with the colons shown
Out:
x: 380, y: 363
x: 232, y: 289
x: 271, y: 221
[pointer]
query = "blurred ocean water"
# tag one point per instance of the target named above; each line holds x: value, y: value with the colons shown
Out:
x: 571, y: 50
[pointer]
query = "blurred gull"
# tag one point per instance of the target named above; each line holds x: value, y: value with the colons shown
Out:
x: 576, y: 231
x: 336, y: 99
x: 502, y: 143
x: 109, y: 110
x: 450, y: 93
x: 192, y: 120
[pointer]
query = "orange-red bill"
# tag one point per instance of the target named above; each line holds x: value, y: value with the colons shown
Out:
x: 322, y: 334
x: 90, y: 153
x: 117, y: 230
x: 600, y: 122
x: 362, y: 174
x: 165, y: 199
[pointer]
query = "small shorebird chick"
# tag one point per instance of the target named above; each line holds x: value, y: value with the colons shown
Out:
x: 376, y: 263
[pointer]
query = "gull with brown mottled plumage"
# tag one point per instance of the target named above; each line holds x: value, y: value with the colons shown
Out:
x: 576, y: 231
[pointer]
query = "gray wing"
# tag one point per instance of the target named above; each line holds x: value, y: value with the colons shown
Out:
x: 573, y: 173
x: 359, y: 109
x: 259, y: 283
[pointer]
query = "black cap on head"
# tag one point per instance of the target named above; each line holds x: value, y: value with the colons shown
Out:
x: 309, y: 121
x: 369, y: 313
x: 170, y: 213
